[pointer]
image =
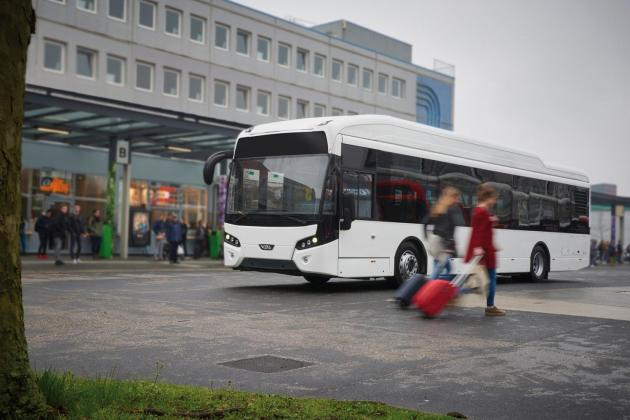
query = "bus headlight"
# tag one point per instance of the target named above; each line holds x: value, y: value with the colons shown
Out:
x: 307, y: 242
x: 232, y: 240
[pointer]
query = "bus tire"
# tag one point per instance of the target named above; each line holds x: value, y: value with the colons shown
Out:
x: 539, y: 264
x: 316, y: 280
x: 407, y: 262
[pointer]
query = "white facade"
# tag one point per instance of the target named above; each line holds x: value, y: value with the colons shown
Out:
x: 93, y: 49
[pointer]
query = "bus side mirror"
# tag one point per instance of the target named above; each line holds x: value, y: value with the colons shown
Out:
x: 347, y: 212
x: 212, y: 162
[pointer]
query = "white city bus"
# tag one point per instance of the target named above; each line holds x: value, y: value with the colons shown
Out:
x: 345, y: 197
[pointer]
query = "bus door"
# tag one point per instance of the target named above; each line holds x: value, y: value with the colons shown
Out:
x: 361, y: 250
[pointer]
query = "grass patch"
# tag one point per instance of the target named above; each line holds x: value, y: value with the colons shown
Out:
x: 105, y: 398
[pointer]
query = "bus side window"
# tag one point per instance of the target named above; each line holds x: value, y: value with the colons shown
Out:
x: 359, y: 186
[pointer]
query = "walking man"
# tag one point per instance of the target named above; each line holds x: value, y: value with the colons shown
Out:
x: 77, y: 232
x: 41, y: 227
x: 173, y: 236
x: 95, y: 229
x: 58, y: 231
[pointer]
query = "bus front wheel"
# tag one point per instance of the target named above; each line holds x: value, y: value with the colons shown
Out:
x: 316, y: 280
x: 539, y: 264
x: 407, y: 263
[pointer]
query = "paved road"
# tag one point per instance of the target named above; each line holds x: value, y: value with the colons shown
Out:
x: 544, y: 360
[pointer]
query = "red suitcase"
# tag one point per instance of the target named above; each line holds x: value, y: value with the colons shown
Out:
x: 435, y: 294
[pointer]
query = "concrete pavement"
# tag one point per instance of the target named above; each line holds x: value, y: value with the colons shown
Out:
x: 544, y: 360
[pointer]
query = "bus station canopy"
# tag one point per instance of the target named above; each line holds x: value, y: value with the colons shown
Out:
x: 77, y: 119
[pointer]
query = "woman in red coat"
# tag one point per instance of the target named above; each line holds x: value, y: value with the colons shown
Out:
x: 481, y: 243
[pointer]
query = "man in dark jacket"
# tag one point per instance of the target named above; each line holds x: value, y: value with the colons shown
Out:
x: 173, y: 231
x: 58, y: 230
x: 160, y: 238
x: 201, y: 236
x: 77, y: 230
x: 41, y: 227
x: 184, y: 235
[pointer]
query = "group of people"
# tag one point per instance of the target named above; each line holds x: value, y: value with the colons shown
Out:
x: 445, y: 215
x: 608, y: 253
x: 171, y: 236
x: 56, y: 225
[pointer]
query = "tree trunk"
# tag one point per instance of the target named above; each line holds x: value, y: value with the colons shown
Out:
x: 19, y: 395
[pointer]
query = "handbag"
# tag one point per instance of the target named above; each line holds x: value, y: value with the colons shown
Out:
x: 180, y: 250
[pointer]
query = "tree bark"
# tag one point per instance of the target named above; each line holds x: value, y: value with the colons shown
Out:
x: 19, y: 395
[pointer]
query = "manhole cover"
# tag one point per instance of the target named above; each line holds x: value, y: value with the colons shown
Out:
x: 266, y: 364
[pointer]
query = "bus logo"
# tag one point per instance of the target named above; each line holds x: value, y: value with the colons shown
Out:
x: 266, y: 247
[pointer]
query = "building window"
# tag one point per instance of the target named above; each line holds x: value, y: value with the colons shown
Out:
x: 173, y: 22
x: 54, y: 56
x: 262, y: 48
x: 319, y: 110
x: 221, y: 36
x: 117, y: 10
x: 197, y: 29
x: 398, y: 88
x: 115, y: 70
x: 171, y: 83
x: 146, y: 14
x: 336, y: 112
x: 144, y: 76
x: 319, y: 65
x: 337, y: 70
x: 263, y: 102
x: 353, y: 72
x: 58, y: 1
x: 284, y: 54
x: 86, y: 63
x: 242, y: 98
x: 284, y: 107
x: 301, y: 60
x: 221, y: 92
x: 195, y: 87
x: 87, y: 5
x: 382, y: 83
x: 302, y: 109
x: 368, y: 75
x: 242, y: 42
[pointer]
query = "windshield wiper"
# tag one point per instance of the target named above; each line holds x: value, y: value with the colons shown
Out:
x: 241, y: 216
x: 293, y: 218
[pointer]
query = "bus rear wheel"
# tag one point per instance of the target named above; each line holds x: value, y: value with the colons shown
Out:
x: 539, y: 264
x: 316, y: 280
x: 407, y: 263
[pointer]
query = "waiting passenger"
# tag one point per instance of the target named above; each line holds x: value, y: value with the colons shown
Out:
x: 481, y: 241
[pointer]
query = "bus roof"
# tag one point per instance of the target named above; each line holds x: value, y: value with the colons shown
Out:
x: 386, y: 129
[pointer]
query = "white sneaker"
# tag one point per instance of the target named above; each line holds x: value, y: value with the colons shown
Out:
x: 75, y: 261
x: 78, y: 260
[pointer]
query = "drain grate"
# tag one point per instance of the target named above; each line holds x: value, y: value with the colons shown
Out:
x: 267, y: 364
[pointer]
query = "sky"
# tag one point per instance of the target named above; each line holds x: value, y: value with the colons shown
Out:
x: 550, y: 77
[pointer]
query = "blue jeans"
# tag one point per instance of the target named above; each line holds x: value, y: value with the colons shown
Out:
x: 492, y: 287
x: 439, y: 268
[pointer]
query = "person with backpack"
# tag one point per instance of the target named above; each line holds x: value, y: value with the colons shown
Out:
x: 59, y: 228
x: 445, y: 215
x: 201, y: 235
x: 482, y: 242
x: 95, y: 230
x: 41, y: 227
x: 173, y: 230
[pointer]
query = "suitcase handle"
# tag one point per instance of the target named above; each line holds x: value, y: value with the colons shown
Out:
x: 458, y: 281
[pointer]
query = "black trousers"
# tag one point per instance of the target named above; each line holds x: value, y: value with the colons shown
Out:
x: 172, y: 254
x: 75, y: 246
x: 43, y: 243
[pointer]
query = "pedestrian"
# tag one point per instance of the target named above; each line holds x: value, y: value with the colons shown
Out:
x: 58, y: 230
x: 482, y: 244
x: 628, y: 253
x: 593, y: 262
x: 41, y: 227
x: 619, y: 253
x: 611, y: 252
x: 78, y: 231
x: 160, y: 238
x: 445, y: 215
x: 600, y: 248
x: 95, y: 230
x: 605, y: 252
x: 184, y: 237
x: 173, y: 229
x: 201, y: 236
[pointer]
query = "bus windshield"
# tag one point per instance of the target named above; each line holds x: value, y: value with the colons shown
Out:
x: 287, y: 187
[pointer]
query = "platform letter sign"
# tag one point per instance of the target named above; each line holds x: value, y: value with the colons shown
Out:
x: 122, y: 152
